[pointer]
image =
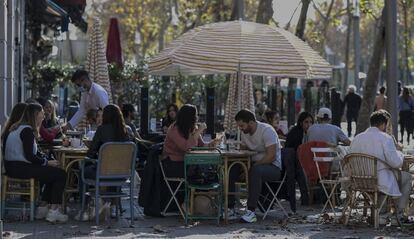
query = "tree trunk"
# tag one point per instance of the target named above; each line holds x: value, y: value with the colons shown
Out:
x: 235, y: 11
x: 300, y: 28
x: 407, y: 37
x: 264, y: 11
x: 370, y: 88
x: 300, y: 32
x: 347, y: 48
x: 327, y: 20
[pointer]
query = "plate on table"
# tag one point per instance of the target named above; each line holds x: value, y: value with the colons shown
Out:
x: 74, y: 133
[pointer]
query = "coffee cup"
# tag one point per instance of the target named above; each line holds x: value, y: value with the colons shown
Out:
x: 76, y: 142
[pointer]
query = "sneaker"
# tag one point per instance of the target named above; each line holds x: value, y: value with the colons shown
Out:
x: 56, y: 216
x: 41, y: 212
x: 84, y: 218
x: 231, y: 214
x: 249, y: 217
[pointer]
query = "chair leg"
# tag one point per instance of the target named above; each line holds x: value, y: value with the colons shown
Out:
x: 131, y: 201
x: 83, y: 191
x: 173, y: 198
x: 32, y: 199
x: 3, y: 196
x: 192, y: 195
x: 376, y: 211
x: 97, y: 205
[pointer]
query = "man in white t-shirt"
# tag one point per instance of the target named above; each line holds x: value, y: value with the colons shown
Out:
x: 266, y: 166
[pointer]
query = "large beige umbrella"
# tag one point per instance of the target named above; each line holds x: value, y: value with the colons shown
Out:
x: 96, y: 63
x: 240, y: 46
x: 240, y: 97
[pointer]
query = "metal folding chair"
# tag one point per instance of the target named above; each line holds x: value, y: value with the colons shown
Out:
x: 169, y: 181
x: 215, y: 189
x: 274, y: 200
x: 322, y: 156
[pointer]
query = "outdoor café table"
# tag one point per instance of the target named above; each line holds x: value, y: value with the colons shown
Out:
x: 408, y: 162
x: 231, y: 158
x: 67, y: 157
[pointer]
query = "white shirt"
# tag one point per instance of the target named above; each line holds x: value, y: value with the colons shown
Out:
x: 264, y: 136
x: 380, y: 145
x: 97, y: 97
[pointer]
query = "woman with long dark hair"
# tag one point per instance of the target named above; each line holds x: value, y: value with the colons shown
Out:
x: 113, y: 128
x: 23, y: 160
x: 405, y: 106
x: 181, y: 136
x: 295, y: 137
x: 297, y: 134
x: 170, y: 116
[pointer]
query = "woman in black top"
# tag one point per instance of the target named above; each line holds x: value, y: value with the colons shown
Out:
x: 113, y: 128
x: 294, y: 139
x: 296, y: 134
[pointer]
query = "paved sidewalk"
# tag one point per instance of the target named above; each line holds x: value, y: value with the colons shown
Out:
x: 303, y: 225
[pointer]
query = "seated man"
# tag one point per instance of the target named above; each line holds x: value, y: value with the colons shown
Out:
x: 324, y: 131
x: 267, y: 164
x: 376, y: 142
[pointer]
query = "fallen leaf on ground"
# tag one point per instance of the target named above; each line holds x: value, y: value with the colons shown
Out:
x: 158, y: 228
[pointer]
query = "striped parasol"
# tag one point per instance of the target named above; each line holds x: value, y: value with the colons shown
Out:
x: 96, y: 63
x: 240, y: 97
x: 230, y: 47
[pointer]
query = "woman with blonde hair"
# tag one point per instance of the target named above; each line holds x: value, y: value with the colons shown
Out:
x: 24, y: 161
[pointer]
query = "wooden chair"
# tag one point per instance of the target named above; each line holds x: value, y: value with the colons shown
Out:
x: 18, y: 187
x: 362, y: 170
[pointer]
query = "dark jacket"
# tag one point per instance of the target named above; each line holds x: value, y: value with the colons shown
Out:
x: 154, y: 194
x: 294, y: 137
x: 352, y: 102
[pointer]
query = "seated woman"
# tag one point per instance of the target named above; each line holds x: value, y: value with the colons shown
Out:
x: 15, y: 116
x: 272, y: 118
x: 170, y: 117
x: 295, y: 137
x: 50, y: 128
x: 112, y: 129
x: 24, y: 161
x: 181, y: 136
x: 297, y: 134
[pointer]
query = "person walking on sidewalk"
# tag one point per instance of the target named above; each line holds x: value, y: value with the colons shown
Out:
x: 352, y: 102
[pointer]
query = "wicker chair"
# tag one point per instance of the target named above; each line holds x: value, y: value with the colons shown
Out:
x: 115, y: 167
x: 362, y: 170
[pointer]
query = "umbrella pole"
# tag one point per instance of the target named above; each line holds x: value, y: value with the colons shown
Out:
x: 239, y: 98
